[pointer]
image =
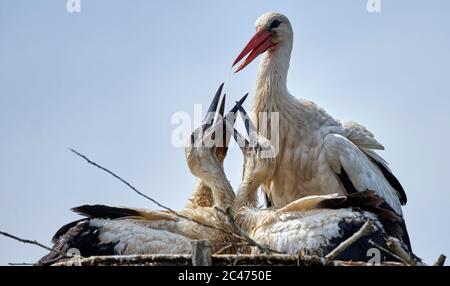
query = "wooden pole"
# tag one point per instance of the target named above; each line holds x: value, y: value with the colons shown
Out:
x: 440, y: 261
x: 201, y: 253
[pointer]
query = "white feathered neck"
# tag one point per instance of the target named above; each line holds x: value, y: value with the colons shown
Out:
x: 271, y: 84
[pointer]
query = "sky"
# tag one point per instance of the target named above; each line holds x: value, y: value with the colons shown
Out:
x: 107, y: 81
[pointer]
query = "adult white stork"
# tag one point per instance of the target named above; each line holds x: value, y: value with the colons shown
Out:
x: 116, y: 230
x: 318, y: 154
x: 312, y: 224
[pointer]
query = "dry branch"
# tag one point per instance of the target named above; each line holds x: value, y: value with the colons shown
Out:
x: 229, y: 245
x: 363, y: 231
x: 440, y: 261
x: 34, y: 242
x: 388, y: 252
x: 396, y: 248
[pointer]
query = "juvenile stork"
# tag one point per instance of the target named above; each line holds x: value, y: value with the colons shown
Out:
x: 115, y: 230
x: 318, y: 155
x: 313, y: 224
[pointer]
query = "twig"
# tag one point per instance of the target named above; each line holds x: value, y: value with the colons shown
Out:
x: 149, y: 198
x: 229, y: 245
x: 123, y: 181
x: 394, y: 246
x: 440, y: 261
x: 223, y: 249
x: 387, y: 251
x: 34, y: 242
x: 363, y: 231
x: 21, y: 264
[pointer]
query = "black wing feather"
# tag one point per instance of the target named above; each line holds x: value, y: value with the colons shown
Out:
x: 346, y: 182
x: 102, y: 211
x: 393, y: 181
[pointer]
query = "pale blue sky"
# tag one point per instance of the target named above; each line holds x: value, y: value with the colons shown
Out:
x: 106, y: 82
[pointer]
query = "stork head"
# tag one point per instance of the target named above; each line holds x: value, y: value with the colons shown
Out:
x: 259, y: 153
x: 207, y: 147
x: 211, y: 139
x: 272, y: 31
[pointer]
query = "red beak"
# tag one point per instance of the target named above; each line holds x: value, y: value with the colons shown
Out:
x: 256, y: 46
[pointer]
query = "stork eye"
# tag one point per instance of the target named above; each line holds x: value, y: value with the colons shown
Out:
x: 275, y: 24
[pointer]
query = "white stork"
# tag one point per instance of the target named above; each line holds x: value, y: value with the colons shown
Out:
x: 121, y: 231
x: 312, y: 224
x: 318, y: 155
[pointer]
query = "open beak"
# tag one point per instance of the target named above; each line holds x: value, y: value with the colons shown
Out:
x: 214, y: 118
x: 227, y: 122
x: 211, y: 114
x: 258, y: 44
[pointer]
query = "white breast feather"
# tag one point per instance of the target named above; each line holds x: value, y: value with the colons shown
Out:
x: 135, y: 238
x: 309, y: 231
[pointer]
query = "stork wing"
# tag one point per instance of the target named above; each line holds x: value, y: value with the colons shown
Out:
x: 359, y: 172
x: 98, y: 236
x: 298, y: 206
x: 360, y: 136
x: 308, y: 203
x: 102, y: 211
x: 365, y: 140
x: 384, y: 167
x: 113, y: 230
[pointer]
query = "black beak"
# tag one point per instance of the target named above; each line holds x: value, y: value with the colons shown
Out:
x: 249, y: 127
x: 209, y: 117
x: 210, y: 122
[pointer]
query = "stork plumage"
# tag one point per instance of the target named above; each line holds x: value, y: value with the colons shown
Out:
x: 312, y: 224
x: 115, y: 230
x: 318, y: 155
